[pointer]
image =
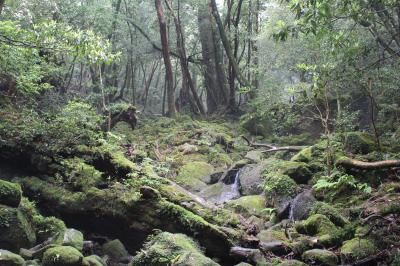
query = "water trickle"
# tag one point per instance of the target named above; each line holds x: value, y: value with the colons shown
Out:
x: 231, y: 191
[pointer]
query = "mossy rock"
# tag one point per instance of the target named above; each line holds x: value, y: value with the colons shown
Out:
x: 15, y: 229
x: 10, y: 193
x: 356, y: 249
x: 279, y: 190
x: 292, y: 263
x: 298, y: 171
x: 115, y: 249
x: 93, y: 260
x: 305, y: 155
x: 257, y: 125
x: 73, y: 238
x: 359, y: 142
x: 8, y: 258
x: 329, y: 211
x: 251, y: 179
x: 273, y: 235
x: 46, y: 227
x: 319, y: 225
x: 165, y: 249
x: 249, y: 205
x: 62, y: 256
x: 194, y: 175
x: 320, y: 257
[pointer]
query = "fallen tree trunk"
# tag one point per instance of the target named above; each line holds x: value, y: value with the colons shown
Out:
x: 272, y: 148
x: 352, y: 163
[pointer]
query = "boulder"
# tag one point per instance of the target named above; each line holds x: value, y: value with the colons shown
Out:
x: 8, y: 258
x: 254, y: 256
x: 62, y: 256
x: 320, y: 257
x: 10, y: 193
x: 298, y: 171
x: 255, y: 156
x: 359, y: 142
x: 115, y: 249
x: 167, y: 248
x: 301, y: 206
x: 329, y: 211
x: 47, y: 227
x: 15, y: 230
x: 319, y: 225
x: 305, y: 155
x: 93, y: 260
x: 248, y: 205
x: 251, y: 179
x: 193, y: 176
x: 292, y: 263
x: 356, y: 249
x: 73, y: 238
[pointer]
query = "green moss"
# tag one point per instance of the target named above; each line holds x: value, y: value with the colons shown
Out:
x: 292, y: 263
x: 93, y: 260
x: 249, y: 205
x: 278, y: 187
x: 171, y: 249
x: 319, y: 225
x: 359, y: 142
x: 329, y: 211
x: 15, y: 229
x: 320, y: 257
x: 193, y: 175
x: 79, y: 174
x: 298, y: 171
x: 73, y: 238
x: 114, y: 249
x: 62, y: 256
x: 46, y: 227
x: 8, y: 258
x: 10, y: 193
x: 305, y: 155
x: 356, y: 249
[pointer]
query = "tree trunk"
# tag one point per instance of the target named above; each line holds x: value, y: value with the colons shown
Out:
x: 351, y: 163
x: 1, y: 5
x: 167, y: 59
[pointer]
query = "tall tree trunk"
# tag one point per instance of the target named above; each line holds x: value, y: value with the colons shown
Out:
x: 1, y: 5
x: 167, y: 59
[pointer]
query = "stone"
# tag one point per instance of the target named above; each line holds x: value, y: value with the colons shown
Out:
x: 255, y: 156
x: 115, y: 249
x: 93, y: 260
x: 320, y: 257
x: 301, y: 206
x: 251, y: 179
x: 248, y: 205
x: 330, y: 212
x: 193, y: 176
x: 251, y: 255
x: 276, y: 247
x: 359, y: 142
x: 15, y: 230
x: 356, y: 249
x: 62, y: 256
x: 305, y: 155
x: 10, y: 193
x: 292, y: 263
x: 8, y: 258
x: 73, y: 238
x: 319, y: 225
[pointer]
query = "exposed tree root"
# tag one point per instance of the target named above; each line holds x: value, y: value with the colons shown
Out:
x: 352, y: 163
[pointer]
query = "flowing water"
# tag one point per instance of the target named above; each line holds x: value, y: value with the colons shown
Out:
x: 231, y: 191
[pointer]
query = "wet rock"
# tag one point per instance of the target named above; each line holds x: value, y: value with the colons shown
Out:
x: 115, y: 249
x: 93, y: 260
x: 319, y: 225
x: 167, y: 248
x: 251, y: 179
x: 301, y: 206
x: 248, y: 205
x: 15, y: 230
x: 356, y: 249
x: 62, y: 256
x: 320, y: 257
x: 292, y: 263
x: 10, y: 193
x: 73, y: 238
x: 8, y: 258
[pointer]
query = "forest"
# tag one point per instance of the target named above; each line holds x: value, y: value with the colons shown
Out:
x: 199, y: 132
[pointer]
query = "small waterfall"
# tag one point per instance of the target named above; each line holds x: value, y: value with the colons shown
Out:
x: 231, y: 191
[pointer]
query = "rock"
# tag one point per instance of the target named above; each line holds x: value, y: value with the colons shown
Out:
x: 292, y: 263
x: 243, y: 264
x: 194, y: 175
x: 272, y: 235
x: 305, y: 155
x: 320, y: 257
x: 251, y: 179
x: 33, y: 263
x: 329, y: 211
x: 255, y: 156
x: 15, y: 230
x: 10, y: 193
x: 301, y: 206
x: 298, y: 171
x: 62, y: 256
x: 73, y: 238
x: 8, y: 258
x: 177, y: 249
x: 319, y: 225
x: 114, y: 249
x: 47, y: 227
x: 149, y: 193
x: 276, y: 247
x: 359, y: 142
x: 248, y: 205
x: 188, y: 148
x: 93, y: 260
x: 252, y: 255
x: 302, y: 245
x: 356, y: 249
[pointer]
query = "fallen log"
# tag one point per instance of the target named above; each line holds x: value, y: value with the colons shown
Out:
x: 353, y: 163
x: 272, y: 148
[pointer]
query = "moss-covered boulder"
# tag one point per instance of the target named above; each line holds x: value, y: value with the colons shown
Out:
x: 249, y: 205
x: 115, y: 249
x: 298, y: 171
x: 47, y: 227
x: 73, y: 238
x: 62, y: 256
x: 302, y: 205
x: 356, y: 249
x: 251, y: 179
x: 319, y: 225
x: 330, y: 212
x: 320, y: 257
x: 166, y: 249
x: 292, y: 263
x: 15, y: 229
x: 93, y: 260
x: 8, y: 258
x: 10, y: 193
x: 359, y: 142
x: 305, y: 155
x: 194, y: 175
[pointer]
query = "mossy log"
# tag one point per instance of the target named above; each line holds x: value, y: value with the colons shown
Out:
x: 353, y: 163
x: 272, y: 148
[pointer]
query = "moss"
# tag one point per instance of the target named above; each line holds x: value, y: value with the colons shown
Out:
x: 393, y: 208
x: 10, y: 193
x: 62, y: 256
x: 171, y: 249
x: 79, y: 174
x: 93, y: 260
x: 249, y: 205
x: 390, y: 187
x: 356, y: 249
x: 73, y: 238
x: 359, y: 142
x: 114, y: 249
x: 15, y: 229
x: 329, y: 211
x: 298, y: 171
x: 319, y: 225
x: 305, y: 155
x: 278, y: 187
x: 193, y: 176
x: 46, y: 227
x: 292, y: 263
x: 8, y: 258
x: 320, y: 257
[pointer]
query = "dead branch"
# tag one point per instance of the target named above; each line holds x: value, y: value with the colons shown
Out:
x: 272, y: 148
x: 352, y: 163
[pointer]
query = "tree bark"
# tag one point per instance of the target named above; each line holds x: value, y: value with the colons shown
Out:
x: 1, y: 5
x: 167, y: 59
x: 352, y: 163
